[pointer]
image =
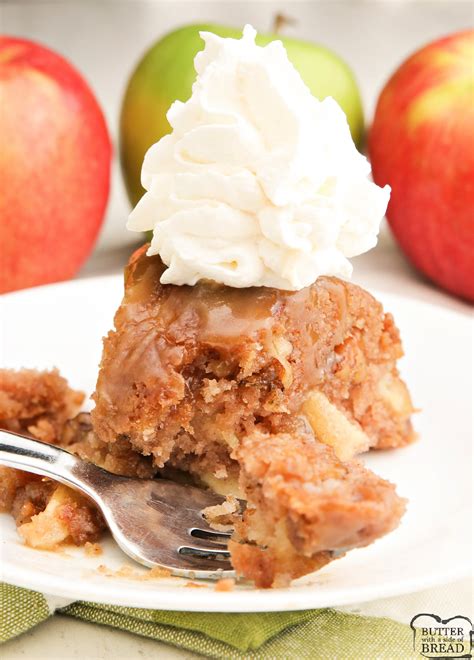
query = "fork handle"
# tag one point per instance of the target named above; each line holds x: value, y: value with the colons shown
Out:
x: 23, y: 453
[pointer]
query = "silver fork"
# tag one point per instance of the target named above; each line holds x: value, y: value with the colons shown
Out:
x: 155, y: 521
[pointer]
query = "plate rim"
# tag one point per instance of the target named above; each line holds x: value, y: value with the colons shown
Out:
x: 183, y: 599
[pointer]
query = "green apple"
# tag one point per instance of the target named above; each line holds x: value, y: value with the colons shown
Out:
x: 166, y: 73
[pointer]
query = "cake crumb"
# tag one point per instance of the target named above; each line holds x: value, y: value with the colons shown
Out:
x: 131, y: 574
x: 195, y: 585
x: 156, y: 571
x: 222, y: 516
x: 225, y: 584
x: 93, y: 549
x: 103, y: 570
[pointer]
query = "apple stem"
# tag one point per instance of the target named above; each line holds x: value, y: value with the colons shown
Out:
x: 280, y: 21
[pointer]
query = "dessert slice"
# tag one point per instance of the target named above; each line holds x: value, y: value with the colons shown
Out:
x: 246, y: 390
x: 238, y: 356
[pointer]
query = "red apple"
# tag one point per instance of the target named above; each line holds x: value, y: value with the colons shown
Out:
x: 422, y: 144
x: 54, y: 166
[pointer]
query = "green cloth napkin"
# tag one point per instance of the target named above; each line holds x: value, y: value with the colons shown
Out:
x: 308, y: 634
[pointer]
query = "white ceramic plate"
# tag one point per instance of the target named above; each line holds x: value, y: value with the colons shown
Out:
x: 62, y: 325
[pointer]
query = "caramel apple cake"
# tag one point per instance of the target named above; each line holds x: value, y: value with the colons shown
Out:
x: 241, y: 359
x: 265, y: 394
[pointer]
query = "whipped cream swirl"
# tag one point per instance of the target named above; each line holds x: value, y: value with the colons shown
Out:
x: 259, y: 183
